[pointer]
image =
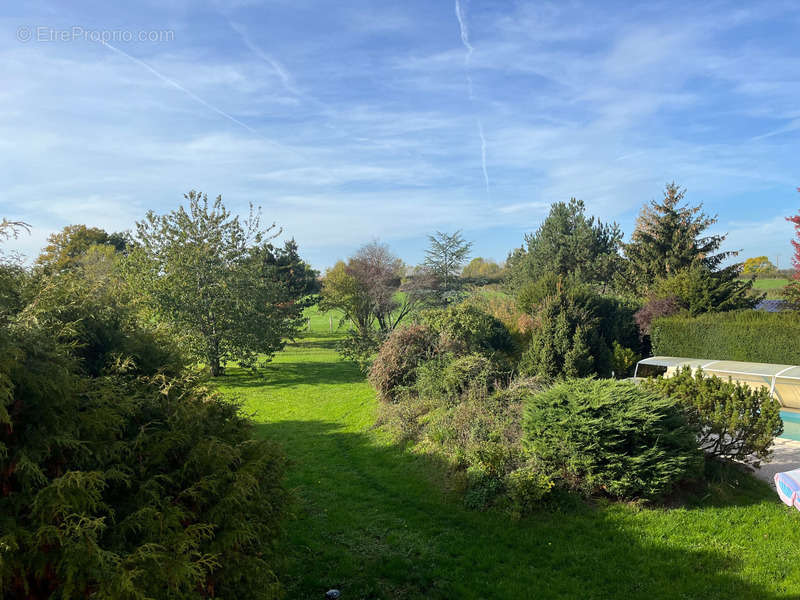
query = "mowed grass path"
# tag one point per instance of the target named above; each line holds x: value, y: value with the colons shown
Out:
x: 374, y: 520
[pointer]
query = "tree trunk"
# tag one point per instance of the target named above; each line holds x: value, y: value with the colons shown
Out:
x: 216, y: 368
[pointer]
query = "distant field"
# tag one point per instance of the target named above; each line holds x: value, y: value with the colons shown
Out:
x: 773, y: 287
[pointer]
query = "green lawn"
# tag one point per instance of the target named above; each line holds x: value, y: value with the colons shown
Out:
x: 374, y: 520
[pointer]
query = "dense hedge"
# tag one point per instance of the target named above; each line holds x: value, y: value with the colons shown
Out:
x: 749, y: 335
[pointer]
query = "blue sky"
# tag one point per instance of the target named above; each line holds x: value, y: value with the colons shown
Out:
x: 353, y: 120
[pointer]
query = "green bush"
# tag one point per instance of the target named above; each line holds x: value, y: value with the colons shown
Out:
x: 566, y: 342
x: 447, y: 377
x: 395, y: 367
x: 464, y: 328
x: 121, y: 479
x: 613, y: 437
x: 526, y: 488
x: 623, y: 360
x: 574, y: 330
x: 462, y: 341
x: 360, y: 347
x: 734, y: 421
x: 750, y: 335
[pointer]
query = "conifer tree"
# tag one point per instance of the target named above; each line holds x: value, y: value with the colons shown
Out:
x: 671, y: 236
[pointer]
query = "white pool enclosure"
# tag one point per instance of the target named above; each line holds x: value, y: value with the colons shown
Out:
x: 783, y: 381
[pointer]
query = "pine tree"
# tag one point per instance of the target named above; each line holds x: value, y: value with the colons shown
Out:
x: 669, y: 238
x: 568, y: 244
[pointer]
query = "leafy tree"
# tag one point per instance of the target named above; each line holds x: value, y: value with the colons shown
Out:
x: 365, y: 291
x: 481, y: 268
x: 758, y: 265
x: 221, y: 281
x: 669, y: 238
x: 444, y: 258
x: 792, y: 291
x: 568, y: 243
x: 65, y: 247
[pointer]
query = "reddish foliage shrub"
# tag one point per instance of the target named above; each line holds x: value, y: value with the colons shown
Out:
x: 395, y: 367
x: 655, y: 308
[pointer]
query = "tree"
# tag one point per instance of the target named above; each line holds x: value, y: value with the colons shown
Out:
x: 568, y: 243
x: 792, y: 291
x: 698, y: 289
x: 795, y: 220
x: 669, y: 237
x: 444, y: 258
x: 364, y: 289
x: 481, y: 268
x: 220, y: 281
x: 65, y: 247
x: 758, y: 265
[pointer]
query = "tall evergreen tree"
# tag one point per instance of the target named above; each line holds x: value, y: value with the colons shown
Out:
x: 670, y: 236
x: 568, y: 244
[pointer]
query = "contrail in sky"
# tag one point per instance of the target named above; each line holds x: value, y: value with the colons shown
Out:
x: 178, y: 86
x: 483, y: 155
x: 464, y: 30
x: 276, y: 66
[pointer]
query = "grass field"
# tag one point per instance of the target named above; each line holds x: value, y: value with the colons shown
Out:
x: 773, y: 287
x: 374, y: 520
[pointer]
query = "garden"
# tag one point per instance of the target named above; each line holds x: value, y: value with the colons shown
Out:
x: 190, y: 410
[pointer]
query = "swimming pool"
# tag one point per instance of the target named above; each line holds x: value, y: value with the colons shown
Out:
x: 791, y: 425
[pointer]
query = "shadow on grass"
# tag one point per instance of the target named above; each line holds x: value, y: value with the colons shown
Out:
x: 326, y: 343
x: 283, y: 375
x: 371, y: 521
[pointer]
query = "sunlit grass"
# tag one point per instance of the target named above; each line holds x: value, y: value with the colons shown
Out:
x: 375, y: 521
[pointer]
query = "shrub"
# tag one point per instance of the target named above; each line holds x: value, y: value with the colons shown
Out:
x: 506, y: 310
x: 750, y: 335
x: 401, y: 354
x: 611, y: 436
x: 654, y: 309
x: 526, y: 488
x: 360, y: 347
x: 447, y: 377
x: 623, y: 360
x: 700, y: 289
x: 734, y: 421
x: 791, y: 294
x: 120, y: 482
x: 464, y: 329
x: 566, y: 342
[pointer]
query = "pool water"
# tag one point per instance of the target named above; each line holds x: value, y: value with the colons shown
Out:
x: 791, y: 425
